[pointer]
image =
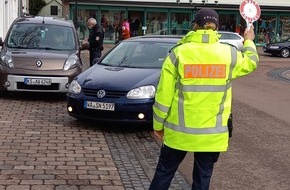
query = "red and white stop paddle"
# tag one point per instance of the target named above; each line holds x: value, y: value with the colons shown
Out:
x: 250, y: 11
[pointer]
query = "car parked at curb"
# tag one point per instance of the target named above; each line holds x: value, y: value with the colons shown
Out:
x: 121, y: 85
x: 39, y: 54
x: 281, y: 49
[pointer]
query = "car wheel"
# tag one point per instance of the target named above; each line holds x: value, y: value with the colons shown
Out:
x: 285, y: 52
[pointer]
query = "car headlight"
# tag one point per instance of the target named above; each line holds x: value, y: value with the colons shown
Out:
x: 274, y: 47
x: 70, y: 63
x: 7, y: 59
x: 142, y: 92
x: 75, y: 87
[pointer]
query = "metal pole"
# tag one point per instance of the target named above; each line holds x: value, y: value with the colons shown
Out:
x: 76, y: 14
x: 20, y: 11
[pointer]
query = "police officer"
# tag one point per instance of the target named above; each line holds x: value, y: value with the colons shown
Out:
x: 193, y: 99
x: 95, y: 40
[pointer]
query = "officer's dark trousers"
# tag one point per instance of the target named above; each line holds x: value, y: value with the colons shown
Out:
x: 169, y: 161
x: 94, y: 55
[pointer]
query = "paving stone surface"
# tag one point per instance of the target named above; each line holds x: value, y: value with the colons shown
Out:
x: 43, y: 148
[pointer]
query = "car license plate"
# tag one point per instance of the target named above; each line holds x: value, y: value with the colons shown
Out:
x: 37, y: 81
x: 99, y: 105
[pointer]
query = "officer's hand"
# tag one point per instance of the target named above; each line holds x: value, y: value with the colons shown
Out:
x: 159, y: 134
x: 249, y: 33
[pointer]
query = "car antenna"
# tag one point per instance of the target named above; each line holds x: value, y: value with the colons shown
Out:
x: 42, y: 20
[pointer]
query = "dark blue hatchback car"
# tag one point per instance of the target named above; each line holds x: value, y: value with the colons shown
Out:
x: 121, y: 85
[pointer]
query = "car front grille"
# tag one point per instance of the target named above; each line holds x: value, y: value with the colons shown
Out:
x: 109, y: 94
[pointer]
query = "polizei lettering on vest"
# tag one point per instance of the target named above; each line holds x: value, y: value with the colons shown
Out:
x: 204, y: 71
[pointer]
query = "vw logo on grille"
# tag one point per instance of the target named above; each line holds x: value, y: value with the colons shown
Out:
x: 101, y: 94
x: 38, y: 63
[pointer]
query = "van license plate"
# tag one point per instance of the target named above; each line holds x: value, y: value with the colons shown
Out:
x: 37, y: 81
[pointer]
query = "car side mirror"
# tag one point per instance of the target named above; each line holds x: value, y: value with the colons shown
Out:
x: 96, y: 60
x: 1, y: 42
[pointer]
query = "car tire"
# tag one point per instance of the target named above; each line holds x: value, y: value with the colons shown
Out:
x: 285, y: 52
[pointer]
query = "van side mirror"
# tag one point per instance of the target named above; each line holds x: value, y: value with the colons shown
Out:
x: 1, y: 42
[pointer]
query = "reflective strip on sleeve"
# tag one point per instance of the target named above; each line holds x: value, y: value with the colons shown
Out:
x: 161, y: 107
x: 254, y: 58
x: 173, y: 58
x: 249, y: 49
x: 157, y: 118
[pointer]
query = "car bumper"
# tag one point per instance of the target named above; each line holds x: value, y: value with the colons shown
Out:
x: 16, y: 83
x: 272, y: 51
x: 125, y: 111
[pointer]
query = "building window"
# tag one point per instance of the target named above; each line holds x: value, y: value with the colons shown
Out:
x: 53, y: 10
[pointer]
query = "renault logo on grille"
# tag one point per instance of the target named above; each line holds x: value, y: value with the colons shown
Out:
x: 38, y: 63
x: 101, y: 94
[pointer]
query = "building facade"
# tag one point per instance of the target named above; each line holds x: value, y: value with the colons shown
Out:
x: 175, y: 16
x: 9, y: 11
x: 53, y: 8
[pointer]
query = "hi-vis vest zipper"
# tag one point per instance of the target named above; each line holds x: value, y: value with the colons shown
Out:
x: 194, y: 94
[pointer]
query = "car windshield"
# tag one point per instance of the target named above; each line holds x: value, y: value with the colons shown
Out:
x: 40, y: 36
x: 138, y: 54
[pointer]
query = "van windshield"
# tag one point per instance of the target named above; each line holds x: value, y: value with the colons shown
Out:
x: 39, y: 36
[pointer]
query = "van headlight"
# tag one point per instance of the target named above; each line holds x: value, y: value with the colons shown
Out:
x: 70, y: 63
x: 75, y: 87
x: 8, y: 61
x: 142, y: 92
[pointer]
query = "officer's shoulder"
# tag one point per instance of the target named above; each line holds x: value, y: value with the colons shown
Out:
x: 174, y: 47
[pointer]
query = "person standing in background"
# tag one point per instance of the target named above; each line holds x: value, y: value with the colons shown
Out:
x: 95, y: 41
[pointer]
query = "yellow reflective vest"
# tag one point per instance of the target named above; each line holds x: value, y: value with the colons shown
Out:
x: 194, y: 95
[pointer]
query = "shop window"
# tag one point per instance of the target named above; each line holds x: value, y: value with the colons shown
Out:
x: 111, y: 21
x: 266, y: 31
x: 180, y: 24
x: 284, y: 29
x: 156, y: 23
x: 82, y: 17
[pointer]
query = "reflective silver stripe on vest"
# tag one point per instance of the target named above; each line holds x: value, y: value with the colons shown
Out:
x: 173, y: 58
x: 250, y: 49
x: 157, y: 118
x: 213, y: 130
x: 254, y: 58
x: 218, y: 128
x: 201, y: 88
x: 161, y: 107
x: 205, y: 38
x: 219, y: 119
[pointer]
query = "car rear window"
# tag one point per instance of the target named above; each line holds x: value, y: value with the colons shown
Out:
x: 41, y: 36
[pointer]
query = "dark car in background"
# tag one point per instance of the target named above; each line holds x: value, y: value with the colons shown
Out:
x: 278, y: 48
x: 121, y: 85
x: 39, y: 54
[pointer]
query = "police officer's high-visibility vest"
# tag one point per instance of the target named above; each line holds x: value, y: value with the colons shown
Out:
x: 194, y: 95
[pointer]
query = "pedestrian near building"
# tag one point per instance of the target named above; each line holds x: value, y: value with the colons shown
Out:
x: 193, y: 99
x: 125, y: 33
x: 95, y: 41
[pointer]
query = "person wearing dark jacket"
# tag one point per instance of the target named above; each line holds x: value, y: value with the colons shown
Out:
x: 95, y: 41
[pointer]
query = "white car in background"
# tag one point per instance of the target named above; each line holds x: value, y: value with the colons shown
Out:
x: 232, y: 38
